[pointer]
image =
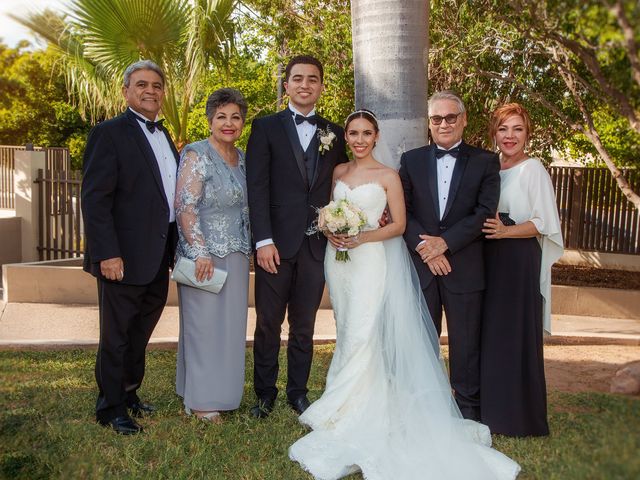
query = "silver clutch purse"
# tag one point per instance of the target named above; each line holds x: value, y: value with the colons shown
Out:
x: 184, y: 272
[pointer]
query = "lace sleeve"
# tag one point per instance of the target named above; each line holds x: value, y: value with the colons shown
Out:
x: 189, y: 191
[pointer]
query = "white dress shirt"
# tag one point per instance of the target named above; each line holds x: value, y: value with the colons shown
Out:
x: 446, y: 164
x: 306, y: 131
x: 166, y: 161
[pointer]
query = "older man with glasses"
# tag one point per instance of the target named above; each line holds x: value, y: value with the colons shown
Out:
x: 450, y: 189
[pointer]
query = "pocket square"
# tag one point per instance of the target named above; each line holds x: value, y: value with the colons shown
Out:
x: 184, y: 272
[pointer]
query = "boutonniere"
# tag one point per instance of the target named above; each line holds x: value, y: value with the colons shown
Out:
x: 326, y: 137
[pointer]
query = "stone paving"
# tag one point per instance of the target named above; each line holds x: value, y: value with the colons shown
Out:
x: 33, y: 325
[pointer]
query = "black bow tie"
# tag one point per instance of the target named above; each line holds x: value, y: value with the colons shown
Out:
x: 312, y: 119
x: 453, y: 152
x: 151, y: 126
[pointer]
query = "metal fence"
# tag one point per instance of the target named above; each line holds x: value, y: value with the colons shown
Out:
x: 57, y: 159
x: 595, y: 215
x: 60, y: 218
x: 7, y: 197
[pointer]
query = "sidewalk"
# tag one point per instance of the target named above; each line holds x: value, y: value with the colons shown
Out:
x: 38, y: 325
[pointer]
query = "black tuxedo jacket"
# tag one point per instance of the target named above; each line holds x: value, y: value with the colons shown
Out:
x: 473, y: 196
x: 282, y: 200
x: 124, y: 206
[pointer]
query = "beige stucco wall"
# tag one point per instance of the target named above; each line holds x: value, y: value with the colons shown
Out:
x: 64, y: 282
x: 613, y: 261
x: 595, y: 302
x: 10, y: 240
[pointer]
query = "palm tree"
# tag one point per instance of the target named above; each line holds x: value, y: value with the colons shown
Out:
x: 98, y: 39
x: 390, y: 51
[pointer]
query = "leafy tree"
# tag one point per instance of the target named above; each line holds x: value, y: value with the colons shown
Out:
x: 251, y: 77
x: 98, y: 39
x: 34, y: 104
x: 284, y: 28
x: 574, y: 63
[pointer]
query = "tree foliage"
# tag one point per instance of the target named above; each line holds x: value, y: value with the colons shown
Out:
x: 34, y: 104
x: 249, y: 76
x: 284, y: 28
x: 573, y: 63
x: 98, y: 39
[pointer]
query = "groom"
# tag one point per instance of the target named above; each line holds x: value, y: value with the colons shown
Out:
x: 450, y: 189
x: 288, y: 177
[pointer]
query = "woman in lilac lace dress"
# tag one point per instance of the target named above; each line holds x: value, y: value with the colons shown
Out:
x: 213, y: 223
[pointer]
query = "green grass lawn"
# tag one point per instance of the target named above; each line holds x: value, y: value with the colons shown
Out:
x: 47, y: 429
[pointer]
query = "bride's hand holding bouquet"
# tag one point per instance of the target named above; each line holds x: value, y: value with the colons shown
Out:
x: 342, y: 222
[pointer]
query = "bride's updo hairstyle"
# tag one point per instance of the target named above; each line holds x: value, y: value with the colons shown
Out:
x: 362, y: 113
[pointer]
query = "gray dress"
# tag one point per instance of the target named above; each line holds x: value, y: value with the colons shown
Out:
x: 213, y: 221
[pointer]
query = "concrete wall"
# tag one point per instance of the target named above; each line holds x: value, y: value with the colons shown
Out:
x: 27, y: 164
x: 10, y: 240
x: 64, y: 282
x: 612, y: 261
x: 595, y: 302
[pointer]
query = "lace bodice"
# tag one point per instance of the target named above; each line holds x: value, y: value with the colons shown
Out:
x: 370, y: 197
x: 211, y: 204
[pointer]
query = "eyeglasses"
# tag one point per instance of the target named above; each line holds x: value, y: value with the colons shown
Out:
x: 450, y: 119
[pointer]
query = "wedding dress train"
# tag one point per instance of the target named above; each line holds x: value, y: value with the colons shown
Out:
x: 387, y: 409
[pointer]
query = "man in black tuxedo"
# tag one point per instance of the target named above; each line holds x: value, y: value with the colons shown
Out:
x: 288, y: 177
x: 450, y: 189
x: 128, y: 188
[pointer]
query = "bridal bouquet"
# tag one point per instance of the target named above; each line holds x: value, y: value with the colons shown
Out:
x: 341, y: 217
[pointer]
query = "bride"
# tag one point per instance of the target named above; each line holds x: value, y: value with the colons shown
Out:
x: 387, y: 409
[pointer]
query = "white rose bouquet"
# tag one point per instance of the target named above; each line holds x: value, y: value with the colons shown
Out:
x: 341, y: 217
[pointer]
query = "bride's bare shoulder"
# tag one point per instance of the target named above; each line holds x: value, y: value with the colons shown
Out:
x: 340, y: 170
x: 388, y: 176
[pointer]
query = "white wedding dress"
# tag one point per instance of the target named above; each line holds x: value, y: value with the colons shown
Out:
x: 387, y: 409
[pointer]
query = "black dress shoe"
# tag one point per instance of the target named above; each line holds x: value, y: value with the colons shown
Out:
x: 263, y: 408
x: 141, y: 409
x: 124, y: 425
x: 300, y: 404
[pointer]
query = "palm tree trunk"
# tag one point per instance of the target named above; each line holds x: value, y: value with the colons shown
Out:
x: 390, y: 52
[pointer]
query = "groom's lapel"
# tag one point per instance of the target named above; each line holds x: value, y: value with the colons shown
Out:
x: 292, y: 134
x: 321, y: 161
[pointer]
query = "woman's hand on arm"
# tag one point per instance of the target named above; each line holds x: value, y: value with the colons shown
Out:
x: 494, y: 229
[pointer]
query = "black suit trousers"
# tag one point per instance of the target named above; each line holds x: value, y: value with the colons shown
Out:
x: 297, y: 287
x: 128, y: 315
x: 464, y: 321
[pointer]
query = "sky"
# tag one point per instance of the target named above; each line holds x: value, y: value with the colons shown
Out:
x: 11, y: 31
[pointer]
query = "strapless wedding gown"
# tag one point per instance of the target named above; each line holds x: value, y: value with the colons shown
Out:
x: 387, y: 409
